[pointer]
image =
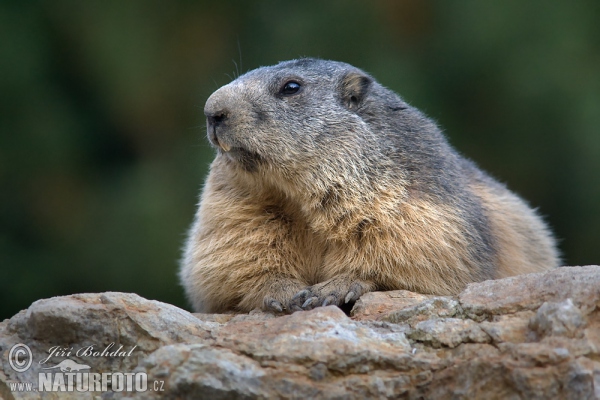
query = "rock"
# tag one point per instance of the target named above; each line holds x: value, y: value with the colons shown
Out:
x: 560, y: 319
x: 528, y: 292
x: 448, y: 332
x: 529, y: 337
x: 378, y: 305
x: 432, y: 307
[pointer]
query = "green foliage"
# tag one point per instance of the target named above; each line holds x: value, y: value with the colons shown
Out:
x: 102, y: 149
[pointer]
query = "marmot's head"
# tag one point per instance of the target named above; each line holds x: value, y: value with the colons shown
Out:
x: 286, y: 114
x: 316, y: 123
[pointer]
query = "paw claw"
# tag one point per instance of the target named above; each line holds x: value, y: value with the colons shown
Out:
x: 309, y: 301
x: 275, y: 305
x: 349, y: 297
x: 329, y: 300
x: 271, y: 304
x: 301, y: 293
x: 296, y: 308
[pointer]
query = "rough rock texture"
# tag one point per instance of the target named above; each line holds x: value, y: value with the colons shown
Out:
x: 528, y: 337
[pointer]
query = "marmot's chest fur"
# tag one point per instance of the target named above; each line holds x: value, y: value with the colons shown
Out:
x: 326, y: 185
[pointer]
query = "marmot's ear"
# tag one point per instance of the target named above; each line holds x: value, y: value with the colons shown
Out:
x: 355, y: 87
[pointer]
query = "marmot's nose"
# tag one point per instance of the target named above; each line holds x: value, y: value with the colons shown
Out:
x: 215, y: 118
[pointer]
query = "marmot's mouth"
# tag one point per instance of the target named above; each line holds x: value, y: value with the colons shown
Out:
x: 214, y: 139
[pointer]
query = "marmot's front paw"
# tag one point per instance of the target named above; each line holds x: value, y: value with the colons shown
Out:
x: 336, y: 291
x: 278, y: 294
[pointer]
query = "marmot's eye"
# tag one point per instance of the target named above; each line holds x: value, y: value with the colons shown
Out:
x: 289, y: 88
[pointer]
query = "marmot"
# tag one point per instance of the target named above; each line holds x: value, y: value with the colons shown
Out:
x: 327, y: 185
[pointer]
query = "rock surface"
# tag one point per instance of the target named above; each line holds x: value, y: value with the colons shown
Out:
x: 535, y: 336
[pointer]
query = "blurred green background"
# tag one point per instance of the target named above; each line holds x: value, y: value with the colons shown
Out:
x: 102, y: 138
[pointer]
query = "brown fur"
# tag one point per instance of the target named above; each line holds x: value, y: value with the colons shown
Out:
x: 289, y: 223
